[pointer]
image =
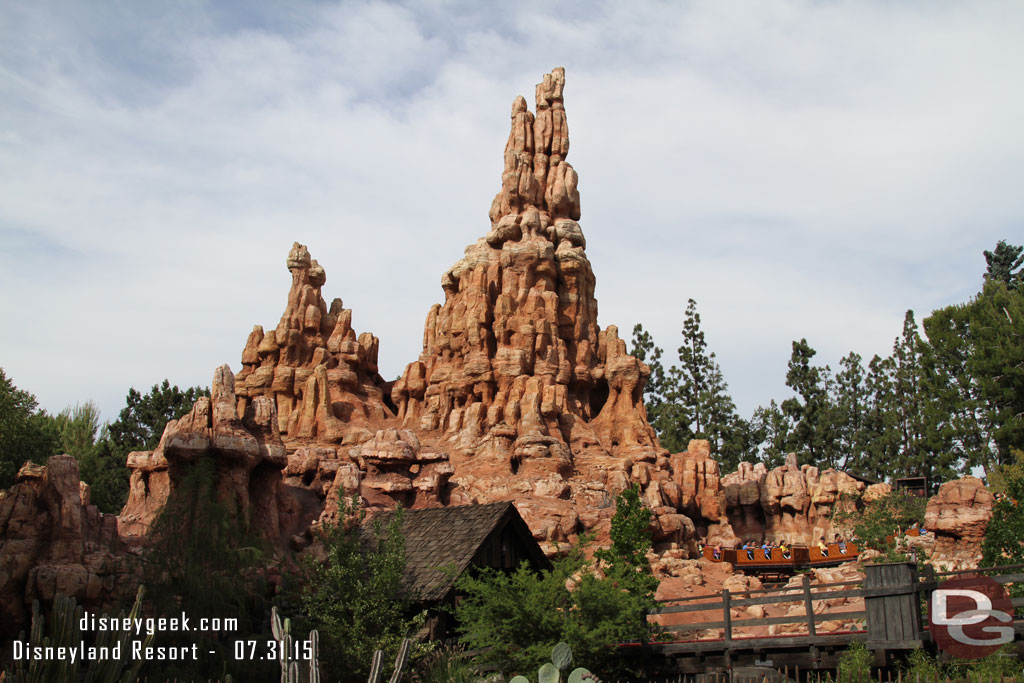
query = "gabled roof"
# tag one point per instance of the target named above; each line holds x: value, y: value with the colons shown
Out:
x: 437, y: 538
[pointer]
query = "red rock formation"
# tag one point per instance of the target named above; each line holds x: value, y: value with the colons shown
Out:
x: 249, y: 457
x: 788, y: 503
x: 514, y: 368
x: 958, y: 516
x: 53, y: 541
x: 322, y: 378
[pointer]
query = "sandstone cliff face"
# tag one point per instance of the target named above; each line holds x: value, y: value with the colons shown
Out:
x: 321, y: 377
x: 518, y: 394
x: 247, y: 450
x: 53, y: 541
x: 788, y: 503
x: 514, y: 367
x: 958, y: 516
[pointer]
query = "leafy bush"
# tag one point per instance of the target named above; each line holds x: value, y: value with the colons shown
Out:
x: 855, y: 664
x: 448, y: 664
x: 872, y: 523
x: 920, y: 666
x: 354, y: 594
x: 519, y: 617
x: 1004, y: 537
x: 204, y: 560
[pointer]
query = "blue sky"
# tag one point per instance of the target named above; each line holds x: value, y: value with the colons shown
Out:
x: 801, y: 169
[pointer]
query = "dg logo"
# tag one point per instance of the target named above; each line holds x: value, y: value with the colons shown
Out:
x: 971, y: 616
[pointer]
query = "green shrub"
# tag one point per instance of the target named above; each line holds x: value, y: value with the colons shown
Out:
x: 855, y: 664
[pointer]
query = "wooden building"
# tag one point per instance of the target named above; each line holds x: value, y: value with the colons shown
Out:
x: 916, y: 486
x: 441, y: 544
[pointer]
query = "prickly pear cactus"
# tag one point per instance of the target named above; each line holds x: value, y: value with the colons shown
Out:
x: 548, y: 673
x: 561, y: 656
x: 520, y: 679
x: 580, y: 674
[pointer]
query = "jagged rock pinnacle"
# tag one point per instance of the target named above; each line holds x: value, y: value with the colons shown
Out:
x: 536, y: 174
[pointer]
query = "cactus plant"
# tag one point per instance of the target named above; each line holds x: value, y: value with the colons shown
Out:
x: 580, y: 674
x: 314, y: 656
x: 520, y: 679
x: 281, y: 630
x: 548, y: 673
x: 561, y: 656
x: 400, y: 661
x: 64, y: 631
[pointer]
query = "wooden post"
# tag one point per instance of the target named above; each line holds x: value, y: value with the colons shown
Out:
x: 727, y: 613
x: 809, y: 604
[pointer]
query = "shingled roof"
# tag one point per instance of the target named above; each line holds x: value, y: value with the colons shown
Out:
x: 438, y: 538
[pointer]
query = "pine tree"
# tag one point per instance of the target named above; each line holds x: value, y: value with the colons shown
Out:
x: 697, y: 367
x: 813, y: 434
x: 1004, y: 265
x: 661, y: 394
x: 770, y: 432
x: 851, y: 402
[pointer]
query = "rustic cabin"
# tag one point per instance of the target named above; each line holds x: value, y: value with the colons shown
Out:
x: 441, y: 544
x: 915, y: 486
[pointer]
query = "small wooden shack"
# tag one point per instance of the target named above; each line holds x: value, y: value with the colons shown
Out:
x: 916, y: 486
x: 441, y: 544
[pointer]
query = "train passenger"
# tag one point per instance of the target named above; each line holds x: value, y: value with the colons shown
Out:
x: 822, y: 547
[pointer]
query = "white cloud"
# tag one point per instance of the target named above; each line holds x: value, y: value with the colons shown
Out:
x: 801, y: 169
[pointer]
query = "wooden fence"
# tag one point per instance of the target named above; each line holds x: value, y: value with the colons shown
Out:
x: 892, y: 620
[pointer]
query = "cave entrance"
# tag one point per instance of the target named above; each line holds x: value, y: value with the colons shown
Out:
x: 598, y: 397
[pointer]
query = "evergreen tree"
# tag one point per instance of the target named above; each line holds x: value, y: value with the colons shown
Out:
x: 908, y: 404
x: 139, y: 427
x: 1004, y: 264
x: 696, y: 369
x: 770, y: 432
x: 880, y: 433
x: 997, y: 362
x: 141, y: 422
x: 661, y: 394
x: 26, y: 433
x: 851, y: 412
x: 813, y: 435
x: 78, y: 428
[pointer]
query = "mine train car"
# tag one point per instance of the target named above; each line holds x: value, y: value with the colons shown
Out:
x: 773, y: 560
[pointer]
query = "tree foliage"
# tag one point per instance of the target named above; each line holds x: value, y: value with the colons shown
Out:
x: 516, y: 618
x: 1004, y: 536
x: 691, y: 400
x: 354, y: 595
x: 875, y: 522
x: 139, y: 427
x: 141, y: 422
x: 204, y: 559
x: 949, y: 397
x: 26, y: 433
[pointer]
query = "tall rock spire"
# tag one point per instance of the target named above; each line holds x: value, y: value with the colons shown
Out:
x: 322, y: 377
x: 536, y: 173
x: 514, y: 365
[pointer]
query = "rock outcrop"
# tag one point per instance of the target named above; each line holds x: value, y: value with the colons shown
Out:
x: 53, y: 541
x: 321, y: 377
x: 958, y: 516
x: 514, y: 368
x: 789, y: 503
x: 248, y: 457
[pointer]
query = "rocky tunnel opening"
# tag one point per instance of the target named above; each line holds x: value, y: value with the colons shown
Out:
x: 598, y: 397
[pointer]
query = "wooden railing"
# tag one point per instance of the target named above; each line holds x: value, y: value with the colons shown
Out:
x: 898, y: 584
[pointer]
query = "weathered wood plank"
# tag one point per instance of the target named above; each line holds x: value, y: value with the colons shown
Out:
x: 767, y: 621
